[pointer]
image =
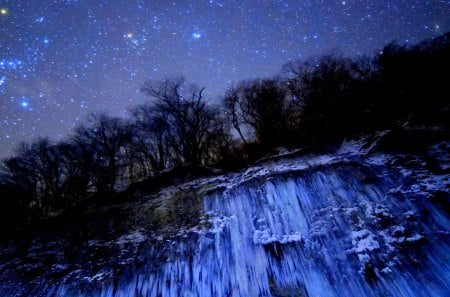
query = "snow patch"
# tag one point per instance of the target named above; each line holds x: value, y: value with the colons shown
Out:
x: 134, y: 238
x: 265, y: 237
x: 363, y: 240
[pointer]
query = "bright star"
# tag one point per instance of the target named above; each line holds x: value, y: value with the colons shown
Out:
x: 196, y: 35
x: 4, y: 11
x: 24, y: 103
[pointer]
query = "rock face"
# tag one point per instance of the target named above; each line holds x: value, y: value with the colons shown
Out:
x: 335, y: 225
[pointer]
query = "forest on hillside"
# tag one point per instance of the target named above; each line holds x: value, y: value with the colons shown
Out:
x: 312, y: 104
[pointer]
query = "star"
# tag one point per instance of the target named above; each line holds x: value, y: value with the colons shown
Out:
x: 3, y: 11
x: 24, y: 103
x: 196, y: 35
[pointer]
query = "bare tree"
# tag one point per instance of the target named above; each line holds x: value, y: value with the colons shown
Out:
x: 151, y: 137
x: 105, y: 137
x: 326, y: 89
x: 231, y: 105
x: 36, y: 168
x: 19, y: 172
x: 190, y: 120
x: 259, y: 105
x: 77, y: 165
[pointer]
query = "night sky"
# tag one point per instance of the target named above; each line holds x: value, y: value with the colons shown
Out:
x: 61, y: 60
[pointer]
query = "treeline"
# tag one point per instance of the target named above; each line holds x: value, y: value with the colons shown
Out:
x: 311, y: 104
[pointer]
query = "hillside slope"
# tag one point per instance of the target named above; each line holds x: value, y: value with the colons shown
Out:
x: 353, y: 222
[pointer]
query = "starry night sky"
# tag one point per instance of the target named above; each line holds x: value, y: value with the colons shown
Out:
x: 63, y: 59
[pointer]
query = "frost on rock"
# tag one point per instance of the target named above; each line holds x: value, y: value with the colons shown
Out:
x: 361, y: 146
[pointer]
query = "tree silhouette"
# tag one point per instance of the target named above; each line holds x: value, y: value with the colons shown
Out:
x: 191, y: 121
x: 325, y: 88
x: 151, y: 137
x: 259, y: 105
x: 105, y: 138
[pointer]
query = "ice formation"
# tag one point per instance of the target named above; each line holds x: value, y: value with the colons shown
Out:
x: 321, y: 232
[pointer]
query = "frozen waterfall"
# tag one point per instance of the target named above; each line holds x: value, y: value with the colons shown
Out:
x: 337, y: 230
